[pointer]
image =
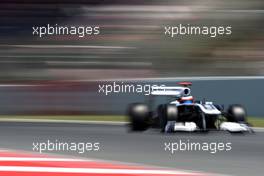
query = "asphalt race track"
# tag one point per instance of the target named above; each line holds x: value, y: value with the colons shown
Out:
x: 245, y: 158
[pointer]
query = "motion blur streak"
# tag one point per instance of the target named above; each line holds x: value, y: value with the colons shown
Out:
x: 130, y: 32
x: 63, y: 46
x: 131, y: 44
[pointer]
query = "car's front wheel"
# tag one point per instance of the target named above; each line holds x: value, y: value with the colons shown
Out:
x: 236, y: 113
x: 167, y: 114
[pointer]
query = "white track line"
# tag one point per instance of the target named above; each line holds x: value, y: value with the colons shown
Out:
x: 62, y: 121
x: 39, y: 159
x: 258, y: 129
x: 92, y: 170
x: 190, y: 78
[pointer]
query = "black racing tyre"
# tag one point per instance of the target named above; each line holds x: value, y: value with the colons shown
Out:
x: 162, y: 117
x: 204, y: 123
x: 138, y: 114
x: 236, y: 113
x: 167, y: 112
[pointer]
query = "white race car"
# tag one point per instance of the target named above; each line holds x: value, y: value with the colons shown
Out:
x: 185, y: 114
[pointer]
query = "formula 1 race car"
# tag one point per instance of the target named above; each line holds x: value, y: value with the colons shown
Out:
x: 185, y: 114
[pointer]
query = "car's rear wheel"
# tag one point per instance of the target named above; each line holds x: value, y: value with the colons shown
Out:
x: 138, y: 116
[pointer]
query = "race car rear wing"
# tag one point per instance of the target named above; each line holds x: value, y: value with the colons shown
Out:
x: 170, y: 91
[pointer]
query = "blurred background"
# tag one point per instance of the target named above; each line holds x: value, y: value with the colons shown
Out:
x: 60, y: 74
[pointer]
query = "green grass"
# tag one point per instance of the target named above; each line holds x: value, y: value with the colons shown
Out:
x: 256, y: 122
